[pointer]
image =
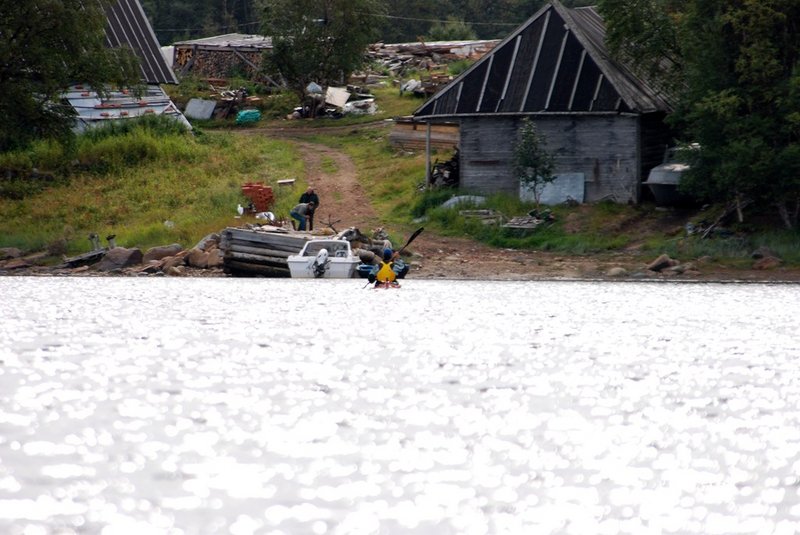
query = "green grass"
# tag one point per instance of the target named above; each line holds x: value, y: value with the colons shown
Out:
x: 328, y: 165
x: 131, y: 185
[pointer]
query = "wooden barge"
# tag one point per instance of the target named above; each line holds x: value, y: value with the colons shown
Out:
x: 260, y: 251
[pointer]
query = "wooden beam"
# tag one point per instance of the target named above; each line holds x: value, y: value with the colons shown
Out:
x: 535, y: 61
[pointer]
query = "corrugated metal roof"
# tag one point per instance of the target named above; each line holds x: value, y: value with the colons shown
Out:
x: 556, y: 62
x: 119, y: 105
x: 230, y: 40
x: 128, y: 26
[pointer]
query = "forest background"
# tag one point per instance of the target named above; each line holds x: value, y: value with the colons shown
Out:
x: 403, y: 21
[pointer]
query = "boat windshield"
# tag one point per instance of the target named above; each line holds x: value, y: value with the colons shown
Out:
x: 334, y: 248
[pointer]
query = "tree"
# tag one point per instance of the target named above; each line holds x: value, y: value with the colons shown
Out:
x: 533, y: 165
x: 321, y: 41
x: 454, y: 29
x: 178, y: 20
x: 736, y: 84
x: 46, y: 45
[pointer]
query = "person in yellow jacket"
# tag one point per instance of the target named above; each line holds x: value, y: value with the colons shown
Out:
x: 385, y: 272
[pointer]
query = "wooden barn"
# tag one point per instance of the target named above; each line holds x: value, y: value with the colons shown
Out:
x: 603, y: 125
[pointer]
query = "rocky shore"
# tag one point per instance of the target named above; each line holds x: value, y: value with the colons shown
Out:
x: 433, y: 257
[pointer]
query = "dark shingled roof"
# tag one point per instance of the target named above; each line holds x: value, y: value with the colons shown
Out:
x: 556, y: 62
x: 128, y: 26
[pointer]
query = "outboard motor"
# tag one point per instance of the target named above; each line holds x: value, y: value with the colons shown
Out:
x: 320, y: 265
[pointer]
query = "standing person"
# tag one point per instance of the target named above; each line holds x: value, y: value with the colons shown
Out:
x: 302, y: 213
x: 310, y: 196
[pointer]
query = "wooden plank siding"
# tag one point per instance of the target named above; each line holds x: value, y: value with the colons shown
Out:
x: 604, y: 148
x: 410, y: 135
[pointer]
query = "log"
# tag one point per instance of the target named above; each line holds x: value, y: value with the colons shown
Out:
x: 274, y: 238
x: 237, y: 247
x: 235, y: 242
x: 256, y: 259
x: 235, y: 267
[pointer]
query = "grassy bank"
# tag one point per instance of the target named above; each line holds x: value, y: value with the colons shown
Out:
x: 145, y: 186
x: 151, y: 185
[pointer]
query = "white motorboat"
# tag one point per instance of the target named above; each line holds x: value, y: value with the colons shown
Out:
x: 324, y: 258
x: 664, y: 179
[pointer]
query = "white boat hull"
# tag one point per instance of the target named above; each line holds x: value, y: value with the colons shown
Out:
x: 324, y: 259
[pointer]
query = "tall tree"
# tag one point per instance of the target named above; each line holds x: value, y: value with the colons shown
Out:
x: 738, y: 67
x: 321, y: 41
x: 46, y: 45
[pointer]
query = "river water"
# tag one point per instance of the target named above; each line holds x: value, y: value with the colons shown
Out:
x: 278, y: 406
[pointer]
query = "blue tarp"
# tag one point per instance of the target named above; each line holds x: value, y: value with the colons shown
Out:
x: 248, y: 116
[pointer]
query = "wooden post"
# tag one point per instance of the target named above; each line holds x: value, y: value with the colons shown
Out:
x: 428, y: 154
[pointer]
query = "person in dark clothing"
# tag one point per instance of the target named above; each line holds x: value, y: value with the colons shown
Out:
x: 307, y: 197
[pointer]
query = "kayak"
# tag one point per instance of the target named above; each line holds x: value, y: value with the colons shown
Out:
x: 386, y: 285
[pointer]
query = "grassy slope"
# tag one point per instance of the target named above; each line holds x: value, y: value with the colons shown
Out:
x: 196, y: 188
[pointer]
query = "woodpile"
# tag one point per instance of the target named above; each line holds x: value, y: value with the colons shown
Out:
x: 219, y: 63
x: 260, y: 251
x: 402, y: 57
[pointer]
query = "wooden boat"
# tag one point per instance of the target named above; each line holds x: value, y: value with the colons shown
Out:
x: 324, y: 258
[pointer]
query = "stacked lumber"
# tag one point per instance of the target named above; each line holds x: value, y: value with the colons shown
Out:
x: 401, y: 57
x: 260, y: 251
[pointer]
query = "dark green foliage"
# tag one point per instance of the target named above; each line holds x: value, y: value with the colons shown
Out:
x: 321, y: 41
x: 735, y: 76
x: 179, y: 20
x: 44, y: 47
x: 428, y: 200
x: 453, y: 29
x: 156, y: 125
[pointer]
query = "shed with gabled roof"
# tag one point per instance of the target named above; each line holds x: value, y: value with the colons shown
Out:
x: 600, y: 120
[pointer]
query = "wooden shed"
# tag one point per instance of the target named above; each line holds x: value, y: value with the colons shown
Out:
x: 604, y: 125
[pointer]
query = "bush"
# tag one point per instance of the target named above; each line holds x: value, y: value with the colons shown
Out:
x: 430, y: 199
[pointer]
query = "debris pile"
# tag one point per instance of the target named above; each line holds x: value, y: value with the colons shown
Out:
x: 334, y: 102
x: 401, y: 58
x: 223, y: 102
x: 445, y: 174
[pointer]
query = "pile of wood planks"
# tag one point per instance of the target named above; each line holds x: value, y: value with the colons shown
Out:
x: 401, y: 57
x: 260, y: 251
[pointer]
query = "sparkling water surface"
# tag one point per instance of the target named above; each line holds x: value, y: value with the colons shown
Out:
x: 277, y: 406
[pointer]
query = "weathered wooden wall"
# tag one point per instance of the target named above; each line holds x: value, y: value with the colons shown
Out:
x: 606, y: 149
x: 410, y: 135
